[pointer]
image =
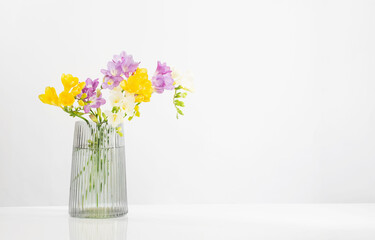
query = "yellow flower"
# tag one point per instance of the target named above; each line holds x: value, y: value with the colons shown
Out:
x: 71, y: 84
x: 139, y: 84
x: 78, y: 89
x: 66, y: 99
x: 49, y: 97
x: 68, y: 81
x: 71, y: 89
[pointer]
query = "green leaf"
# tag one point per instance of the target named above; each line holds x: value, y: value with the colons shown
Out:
x: 105, y: 117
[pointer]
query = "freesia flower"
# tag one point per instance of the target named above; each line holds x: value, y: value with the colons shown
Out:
x: 94, y: 101
x: 126, y: 63
x: 117, y: 89
x: 71, y: 84
x: 49, y: 97
x: 66, y: 99
x: 139, y: 85
x: 91, y: 96
x: 116, y: 98
x: 112, y: 76
x: 126, y: 103
x: 115, y: 118
x: 111, y: 82
x: 113, y: 69
x: 185, y: 81
x: 89, y: 89
x: 91, y: 85
x: 71, y: 89
x: 162, y: 78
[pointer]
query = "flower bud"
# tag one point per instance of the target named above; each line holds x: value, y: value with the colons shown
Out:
x: 93, y: 118
x: 118, y: 130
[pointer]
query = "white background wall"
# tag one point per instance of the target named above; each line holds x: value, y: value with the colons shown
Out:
x: 284, y: 110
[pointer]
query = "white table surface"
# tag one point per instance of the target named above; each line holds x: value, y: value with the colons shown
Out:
x: 302, y: 221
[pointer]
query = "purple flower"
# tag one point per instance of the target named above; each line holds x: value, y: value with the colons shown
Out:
x: 112, y: 76
x: 113, y: 69
x: 111, y: 82
x: 126, y: 63
x: 94, y: 101
x: 89, y: 88
x: 162, y: 78
x: 93, y: 98
x: 92, y: 84
x: 121, y: 65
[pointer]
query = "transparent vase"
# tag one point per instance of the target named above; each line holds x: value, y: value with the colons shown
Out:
x: 98, y: 177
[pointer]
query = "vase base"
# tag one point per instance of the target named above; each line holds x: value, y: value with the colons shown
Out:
x: 99, y: 213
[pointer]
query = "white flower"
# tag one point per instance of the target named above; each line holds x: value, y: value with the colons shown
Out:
x: 177, y: 76
x: 128, y: 103
x: 183, y: 80
x: 117, y: 89
x: 115, y: 118
x: 116, y: 99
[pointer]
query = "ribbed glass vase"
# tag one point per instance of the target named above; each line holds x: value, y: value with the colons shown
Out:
x: 98, y: 178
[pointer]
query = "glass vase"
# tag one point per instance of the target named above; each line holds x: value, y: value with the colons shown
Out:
x: 98, y: 177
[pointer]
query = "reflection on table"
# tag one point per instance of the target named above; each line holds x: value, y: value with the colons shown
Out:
x: 98, y: 229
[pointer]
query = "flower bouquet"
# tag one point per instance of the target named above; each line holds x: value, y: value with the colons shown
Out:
x: 98, y: 185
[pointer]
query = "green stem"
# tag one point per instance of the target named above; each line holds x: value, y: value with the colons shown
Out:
x: 84, y: 119
x: 75, y: 115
